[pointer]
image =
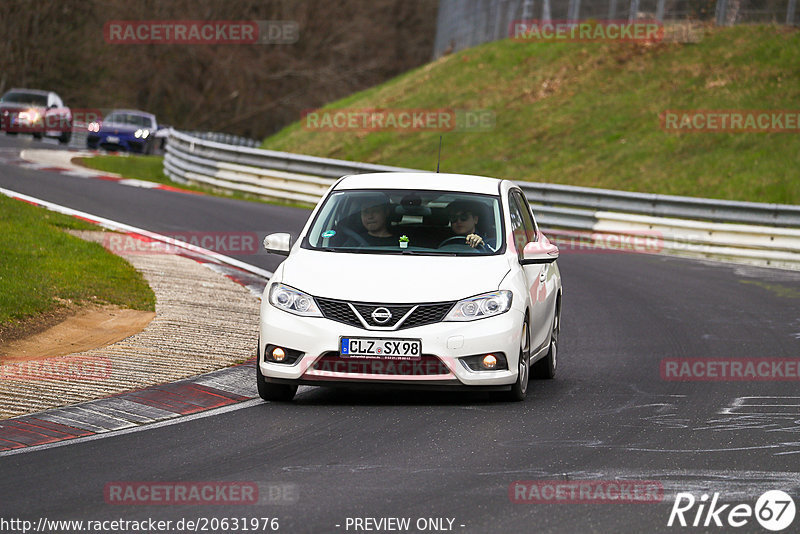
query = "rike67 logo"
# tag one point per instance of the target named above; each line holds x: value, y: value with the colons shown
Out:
x: 774, y: 511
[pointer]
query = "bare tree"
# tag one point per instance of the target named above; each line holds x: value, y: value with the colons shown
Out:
x: 251, y: 90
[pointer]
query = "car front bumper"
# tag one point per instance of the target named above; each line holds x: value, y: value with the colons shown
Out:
x: 116, y: 143
x: 445, y: 342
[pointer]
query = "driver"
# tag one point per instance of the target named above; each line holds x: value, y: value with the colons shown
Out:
x: 375, y: 211
x: 463, y: 216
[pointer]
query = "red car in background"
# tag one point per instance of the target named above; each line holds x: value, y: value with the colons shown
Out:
x: 41, y: 113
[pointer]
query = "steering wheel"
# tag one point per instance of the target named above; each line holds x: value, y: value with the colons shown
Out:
x: 462, y: 240
x: 349, y: 232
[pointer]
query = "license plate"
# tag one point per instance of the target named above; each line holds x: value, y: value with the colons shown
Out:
x: 390, y: 349
x: 112, y: 139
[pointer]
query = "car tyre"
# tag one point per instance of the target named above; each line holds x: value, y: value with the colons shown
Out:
x: 520, y: 388
x: 269, y: 391
x: 65, y: 137
x: 546, y: 367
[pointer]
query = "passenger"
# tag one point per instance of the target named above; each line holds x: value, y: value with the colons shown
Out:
x: 463, y: 216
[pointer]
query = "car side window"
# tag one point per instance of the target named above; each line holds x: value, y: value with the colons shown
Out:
x: 518, y: 233
x: 527, y: 219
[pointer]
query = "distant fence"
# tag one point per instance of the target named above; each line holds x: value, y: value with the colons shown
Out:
x: 466, y: 23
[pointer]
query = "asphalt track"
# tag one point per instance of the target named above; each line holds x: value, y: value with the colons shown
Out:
x: 608, y: 415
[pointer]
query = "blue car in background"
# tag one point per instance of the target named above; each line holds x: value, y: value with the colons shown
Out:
x: 127, y: 130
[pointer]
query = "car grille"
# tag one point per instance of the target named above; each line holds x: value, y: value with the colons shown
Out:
x: 398, y: 312
x: 427, y: 365
x: 422, y: 314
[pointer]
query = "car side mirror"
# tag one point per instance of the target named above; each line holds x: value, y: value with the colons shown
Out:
x: 279, y: 243
x: 542, y: 251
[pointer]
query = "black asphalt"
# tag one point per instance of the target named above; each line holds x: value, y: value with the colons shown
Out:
x: 608, y: 414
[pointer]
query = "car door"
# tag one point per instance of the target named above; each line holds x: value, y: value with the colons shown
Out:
x: 537, y: 276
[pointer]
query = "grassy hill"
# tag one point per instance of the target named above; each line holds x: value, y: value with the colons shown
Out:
x: 588, y: 114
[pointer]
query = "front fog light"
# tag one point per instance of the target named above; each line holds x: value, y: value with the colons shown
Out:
x: 496, y: 361
x: 276, y: 354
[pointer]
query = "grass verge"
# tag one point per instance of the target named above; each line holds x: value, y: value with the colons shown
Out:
x: 44, y: 270
x: 587, y: 114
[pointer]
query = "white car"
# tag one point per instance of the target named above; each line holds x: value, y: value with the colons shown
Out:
x: 419, y: 280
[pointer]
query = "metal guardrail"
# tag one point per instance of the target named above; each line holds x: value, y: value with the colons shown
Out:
x: 767, y: 234
x: 228, y: 139
x: 663, y: 205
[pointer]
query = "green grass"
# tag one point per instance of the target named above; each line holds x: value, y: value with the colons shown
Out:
x: 151, y: 168
x: 588, y: 114
x: 41, y: 266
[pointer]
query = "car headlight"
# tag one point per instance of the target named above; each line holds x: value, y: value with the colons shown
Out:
x: 481, y: 306
x: 31, y: 115
x: 293, y: 301
x: 145, y: 133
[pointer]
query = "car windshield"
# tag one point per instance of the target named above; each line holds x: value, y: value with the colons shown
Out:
x: 133, y: 119
x: 30, y: 99
x: 396, y: 221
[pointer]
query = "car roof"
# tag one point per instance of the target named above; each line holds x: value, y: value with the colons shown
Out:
x: 422, y: 181
x: 136, y: 111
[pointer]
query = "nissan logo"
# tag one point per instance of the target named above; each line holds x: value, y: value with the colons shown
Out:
x: 381, y: 315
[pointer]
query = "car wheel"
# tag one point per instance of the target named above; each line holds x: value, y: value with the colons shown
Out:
x: 546, y: 367
x: 269, y: 391
x: 520, y: 388
x: 64, y: 138
x: 37, y: 135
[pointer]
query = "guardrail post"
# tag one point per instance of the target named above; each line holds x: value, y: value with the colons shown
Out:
x: 634, y: 11
x: 546, y: 17
x: 660, y: 11
x: 573, y: 10
x: 527, y: 10
x: 721, y: 12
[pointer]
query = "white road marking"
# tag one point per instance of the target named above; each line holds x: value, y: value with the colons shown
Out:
x: 138, y: 183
